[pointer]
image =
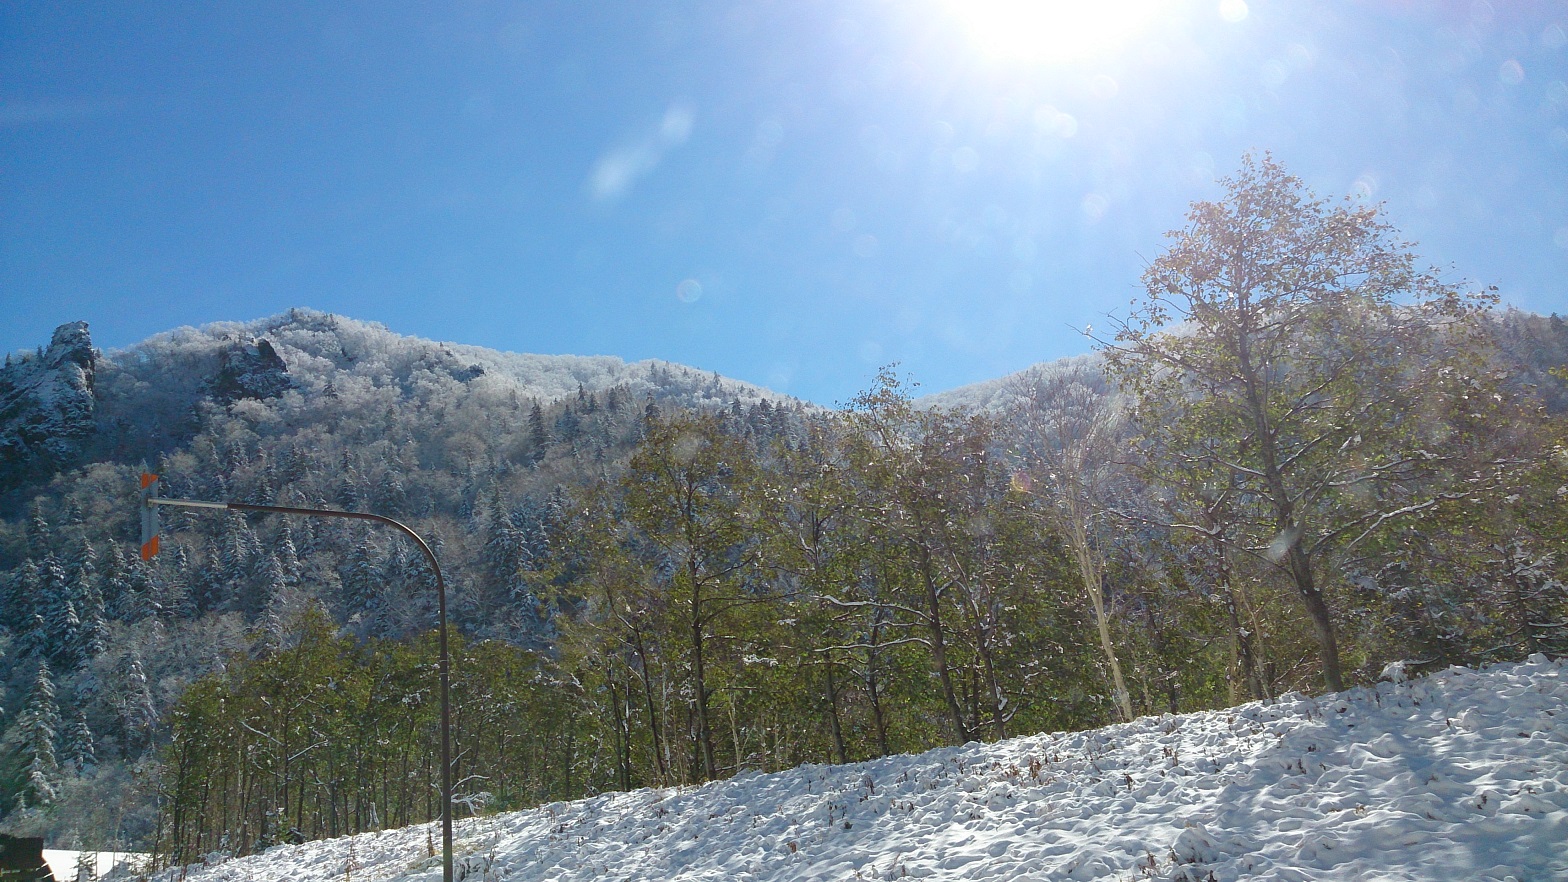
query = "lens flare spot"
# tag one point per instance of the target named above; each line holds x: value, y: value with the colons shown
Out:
x: 780, y: 374
x: 1274, y: 74
x: 1233, y: 10
x: 1557, y: 96
x: 866, y: 246
x: 675, y: 128
x: 1094, y: 207
x: 688, y: 291
x: 1511, y: 73
x: 1049, y: 120
x: 1200, y: 168
x: 1364, y: 188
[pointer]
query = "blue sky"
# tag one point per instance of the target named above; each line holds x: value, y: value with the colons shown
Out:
x: 791, y: 192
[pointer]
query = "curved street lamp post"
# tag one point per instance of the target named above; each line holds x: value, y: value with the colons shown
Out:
x: 150, y: 541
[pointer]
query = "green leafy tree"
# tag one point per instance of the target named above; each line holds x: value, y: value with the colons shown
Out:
x: 814, y: 546
x: 925, y: 500
x: 687, y: 491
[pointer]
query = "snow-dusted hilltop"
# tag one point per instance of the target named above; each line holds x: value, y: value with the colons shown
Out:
x: 1462, y: 775
x: 318, y: 348
x: 70, y: 403
x: 1000, y: 396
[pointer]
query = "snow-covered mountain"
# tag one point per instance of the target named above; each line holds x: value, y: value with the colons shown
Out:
x: 70, y: 403
x: 1461, y: 775
x: 319, y: 348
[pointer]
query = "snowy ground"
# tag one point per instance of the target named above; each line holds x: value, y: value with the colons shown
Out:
x: 68, y: 865
x: 1459, y: 776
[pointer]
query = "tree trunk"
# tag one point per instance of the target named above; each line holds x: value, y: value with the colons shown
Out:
x: 1291, y: 531
x: 836, y: 728
x: 874, y: 692
x: 993, y: 686
x: 700, y: 679
x: 939, y: 650
x: 1322, y: 621
x: 1242, y: 648
x: 1089, y: 571
x: 660, y: 767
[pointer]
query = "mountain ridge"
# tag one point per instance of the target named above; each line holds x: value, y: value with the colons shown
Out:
x: 137, y: 401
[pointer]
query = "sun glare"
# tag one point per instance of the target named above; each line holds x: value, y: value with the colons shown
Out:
x: 1051, y: 31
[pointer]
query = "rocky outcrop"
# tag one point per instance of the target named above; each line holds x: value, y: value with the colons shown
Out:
x: 252, y: 370
x: 46, y: 405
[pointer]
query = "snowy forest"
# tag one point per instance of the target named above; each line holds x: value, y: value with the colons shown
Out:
x: 1299, y: 458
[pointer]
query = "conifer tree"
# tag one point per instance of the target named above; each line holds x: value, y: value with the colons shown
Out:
x: 134, y: 706
x: 115, y: 582
x: 502, y: 549
x: 94, y: 622
x: 80, y: 755
x: 537, y: 434
x: 286, y: 553
x: 25, y: 613
x: 62, y: 623
x: 39, y: 723
x: 40, y: 537
x: 212, y: 588
x: 361, y: 577
x: 175, y: 579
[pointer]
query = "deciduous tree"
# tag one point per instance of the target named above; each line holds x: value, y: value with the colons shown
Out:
x: 1295, y: 332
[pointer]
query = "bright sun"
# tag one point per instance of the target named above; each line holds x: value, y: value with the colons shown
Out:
x: 1051, y: 31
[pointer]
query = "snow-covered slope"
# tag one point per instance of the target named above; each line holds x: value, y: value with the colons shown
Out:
x: 319, y: 349
x: 1459, y: 776
x: 999, y: 396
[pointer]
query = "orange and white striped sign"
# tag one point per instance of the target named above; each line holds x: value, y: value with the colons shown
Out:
x: 149, y: 517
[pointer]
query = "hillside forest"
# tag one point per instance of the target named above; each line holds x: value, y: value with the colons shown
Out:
x: 1299, y: 459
